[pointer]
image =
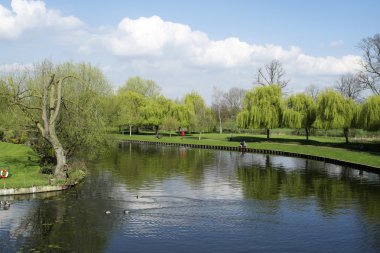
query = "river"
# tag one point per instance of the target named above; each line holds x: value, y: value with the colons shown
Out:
x: 175, y: 199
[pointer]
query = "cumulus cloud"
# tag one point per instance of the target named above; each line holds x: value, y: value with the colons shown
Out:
x: 27, y: 14
x: 161, y: 39
x: 171, y: 53
x: 328, y: 65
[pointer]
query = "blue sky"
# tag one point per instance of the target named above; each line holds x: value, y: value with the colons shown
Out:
x: 191, y: 45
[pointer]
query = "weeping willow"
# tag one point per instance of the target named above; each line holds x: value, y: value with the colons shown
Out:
x: 262, y: 108
x: 334, y: 111
x: 370, y: 114
x: 300, y: 112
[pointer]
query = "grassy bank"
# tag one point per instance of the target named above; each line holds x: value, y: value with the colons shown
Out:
x: 335, y: 148
x: 22, y: 163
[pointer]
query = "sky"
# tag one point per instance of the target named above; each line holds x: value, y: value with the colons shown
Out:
x: 193, y: 45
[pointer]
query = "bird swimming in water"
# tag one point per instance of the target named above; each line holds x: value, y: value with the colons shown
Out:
x: 107, y: 212
x: 126, y: 211
x: 5, y: 204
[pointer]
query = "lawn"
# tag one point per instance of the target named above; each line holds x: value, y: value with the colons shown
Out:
x: 329, y: 147
x: 22, y: 163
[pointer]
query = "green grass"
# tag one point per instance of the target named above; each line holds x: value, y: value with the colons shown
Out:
x: 23, y: 165
x: 329, y: 147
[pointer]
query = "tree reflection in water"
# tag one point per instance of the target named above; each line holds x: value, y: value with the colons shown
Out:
x: 177, y: 184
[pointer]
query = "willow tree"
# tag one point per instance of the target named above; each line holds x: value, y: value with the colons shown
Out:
x: 155, y: 110
x: 370, y: 114
x: 300, y: 112
x: 334, y: 111
x: 177, y: 116
x: 63, y: 104
x: 147, y: 88
x: 200, y: 115
x: 262, y: 108
x: 129, y: 109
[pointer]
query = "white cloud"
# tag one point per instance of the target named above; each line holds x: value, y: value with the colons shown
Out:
x: 173, y: 54
x: 327, y: 65
x: 9, y: 68
x: 26, y: 14
x: 162, y: 40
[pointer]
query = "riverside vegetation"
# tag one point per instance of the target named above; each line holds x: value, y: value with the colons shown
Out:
x: 59, y: 110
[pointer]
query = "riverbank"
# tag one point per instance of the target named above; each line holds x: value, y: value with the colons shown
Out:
x: 24, y: 172
x: 321, y: 149
x: 22, y: 164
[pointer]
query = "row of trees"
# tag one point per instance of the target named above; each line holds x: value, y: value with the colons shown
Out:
x: 71, y: 105
x: 264, y: 107
x: 140, y: 103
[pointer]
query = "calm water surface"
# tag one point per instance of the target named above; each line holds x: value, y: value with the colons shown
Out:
x: 190, y: 200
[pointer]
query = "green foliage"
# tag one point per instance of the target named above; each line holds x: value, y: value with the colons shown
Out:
x: 370, y: 114
x: 82, y: 117
x: 262, y: 108
x: 77, y: 172
x: 300, y: 111
x: 23, y: 137
x: 147, y: 88
x: 201, y: 118
x: 129, y: 109
x: 334, y: 111
x: 170, y: 123
x: 82, y: 124
x: 155, y: 110
x: 180, y: 113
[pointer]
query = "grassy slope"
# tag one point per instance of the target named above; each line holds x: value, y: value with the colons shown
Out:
x: 22, y: 163
x: 322, y: 146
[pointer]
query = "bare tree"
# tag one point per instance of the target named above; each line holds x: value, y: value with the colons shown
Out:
x: 312, y: 91
x: 272, y: 73
x: 350, y: 86
x: 234, y: 99
x: 370, y: 75
x: 218, y: 97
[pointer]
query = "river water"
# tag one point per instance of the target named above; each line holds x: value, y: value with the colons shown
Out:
x: 174, y: 199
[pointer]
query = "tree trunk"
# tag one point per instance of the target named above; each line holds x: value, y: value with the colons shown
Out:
x: 346, y: 132
x: 307, y: 133
x: 220, y: 122
x: 51, y: 105
x: 130, y: 130
x: 60, y: 170
x: 268, y: 134
x: 200, y: 135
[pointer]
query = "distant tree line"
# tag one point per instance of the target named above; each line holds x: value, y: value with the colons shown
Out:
x: 61, y: 109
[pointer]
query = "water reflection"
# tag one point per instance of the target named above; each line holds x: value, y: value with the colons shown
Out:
x: 181, y: 199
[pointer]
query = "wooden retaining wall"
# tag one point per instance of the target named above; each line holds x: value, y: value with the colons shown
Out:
x: 264, y: 151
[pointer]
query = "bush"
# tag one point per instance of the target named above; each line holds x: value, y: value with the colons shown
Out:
x: 77, y: 171
x: 24, y: 137
x: 9, y: 135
